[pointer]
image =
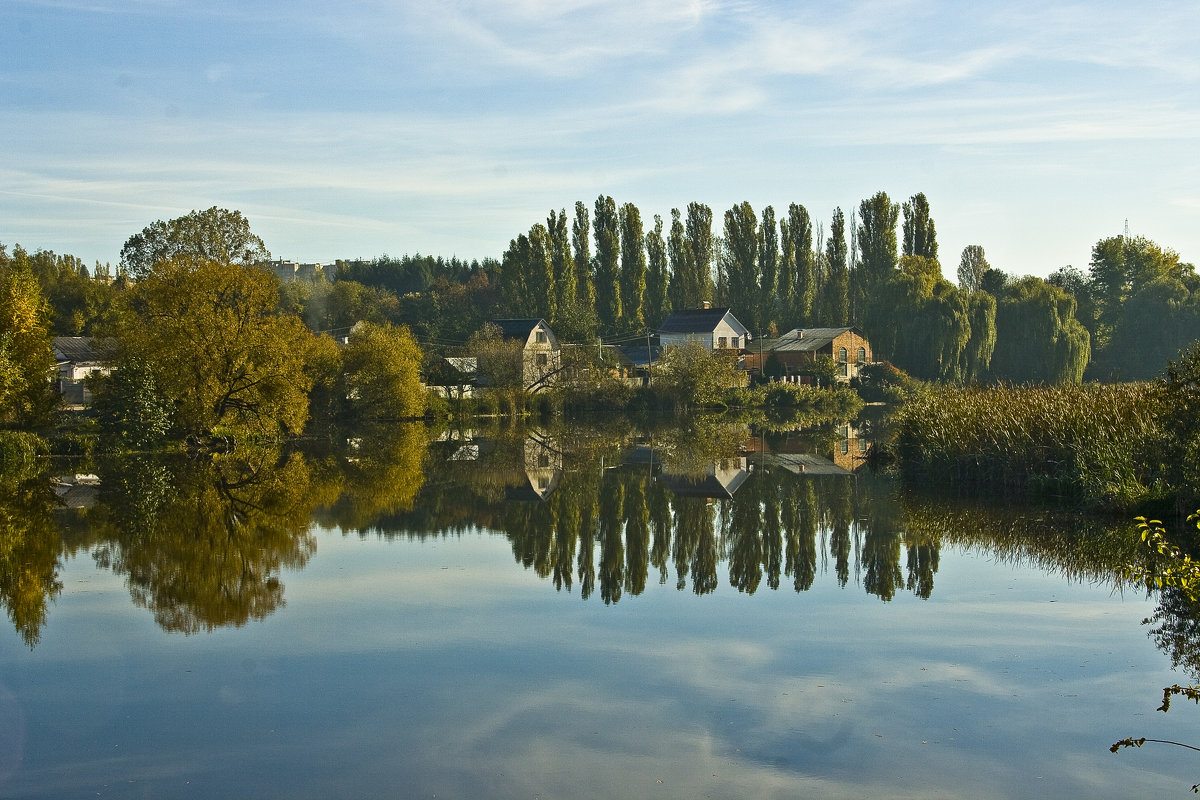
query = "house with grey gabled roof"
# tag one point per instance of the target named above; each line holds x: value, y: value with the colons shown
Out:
x: 715, y: 328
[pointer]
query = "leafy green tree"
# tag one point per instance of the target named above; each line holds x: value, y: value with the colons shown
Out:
x: 26, y: 358
x: 606, y: 227
x: 690, y: 375
x: 382, y: 367
x: 920, y: 238
x: 130, y: 404
x: 971, y: 266
x: 633, y: 267
x: 215, y: 234
x: 1121, y: 267
x: 217, y: 348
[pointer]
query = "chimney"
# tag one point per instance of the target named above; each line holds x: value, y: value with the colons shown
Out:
x: 706, y: 304
x: 799, y: 333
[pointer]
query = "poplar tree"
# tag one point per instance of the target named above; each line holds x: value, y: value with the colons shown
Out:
x: 540, y: 275
x: 836, y: 289
x: 971, y: 266
x: 561, y: 261
x: 768, y: 269
x: 585, y: 288
x: 804, y: 283
x: 920, y: 238
x: 606, y: 265
x: 876, y: 242
x: 679, y: 255
x: 633, y: 267
x: 514, y: 273
x: 656, y: 307
x: 702, y: 247
x: 739, y: 263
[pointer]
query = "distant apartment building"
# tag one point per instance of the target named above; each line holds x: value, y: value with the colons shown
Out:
x: 289, y: 271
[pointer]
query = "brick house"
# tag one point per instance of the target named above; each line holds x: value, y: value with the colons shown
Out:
x: 800, y: 347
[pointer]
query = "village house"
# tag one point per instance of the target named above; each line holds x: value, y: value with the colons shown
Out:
x: 75, y: 358
x: 715, y: 328
x: 795, y: 351
x: 541, y: 354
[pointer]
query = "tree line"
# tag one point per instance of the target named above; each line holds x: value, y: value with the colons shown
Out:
x: 601, y: 273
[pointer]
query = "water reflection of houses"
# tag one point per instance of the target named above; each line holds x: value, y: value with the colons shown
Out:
x: 719, y: 479
x: 533, y: 472
x: 844, y: 454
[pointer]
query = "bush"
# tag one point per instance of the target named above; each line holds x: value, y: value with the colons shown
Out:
x: 20, y: 449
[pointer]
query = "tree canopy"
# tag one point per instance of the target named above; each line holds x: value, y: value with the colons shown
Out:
x: 215, y: 234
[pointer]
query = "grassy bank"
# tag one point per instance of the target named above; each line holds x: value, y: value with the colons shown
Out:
x: 1098, y: 445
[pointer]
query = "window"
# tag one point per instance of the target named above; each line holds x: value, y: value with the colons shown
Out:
x: 542, y: 360
x: 541, y: 337
x: 722, y: 342
x: 862, y: 355
x: 842, y: 355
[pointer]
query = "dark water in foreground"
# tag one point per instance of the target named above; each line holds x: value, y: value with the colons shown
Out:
x: 697, y: 613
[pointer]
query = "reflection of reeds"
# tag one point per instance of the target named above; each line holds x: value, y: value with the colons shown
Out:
x: 1075, y: 546
x: 1091, y: 442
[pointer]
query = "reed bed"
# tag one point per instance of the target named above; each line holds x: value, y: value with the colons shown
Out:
x: 1099, y: 444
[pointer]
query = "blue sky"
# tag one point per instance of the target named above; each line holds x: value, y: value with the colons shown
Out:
x: 352, y: 129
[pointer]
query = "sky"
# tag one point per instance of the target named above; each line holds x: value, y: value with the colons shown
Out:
x: 369, y: 127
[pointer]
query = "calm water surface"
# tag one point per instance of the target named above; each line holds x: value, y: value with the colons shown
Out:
x: 571, y: 615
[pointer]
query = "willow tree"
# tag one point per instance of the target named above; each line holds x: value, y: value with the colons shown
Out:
x: 977, y: 355
x: 922, y: 321
x: 1038, y: 339
x: 606, y: 227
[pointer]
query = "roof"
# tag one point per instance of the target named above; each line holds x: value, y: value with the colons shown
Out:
x: 83, y: 349
x: 807, y: 339
x: 700, y: 320
x: 518, y: 328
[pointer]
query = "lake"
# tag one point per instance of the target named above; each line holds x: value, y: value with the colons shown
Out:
x: 684, y: 613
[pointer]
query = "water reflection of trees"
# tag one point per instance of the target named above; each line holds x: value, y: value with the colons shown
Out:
x: 203, y: 542
x: 30, y: 551
x: 620, y: 516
